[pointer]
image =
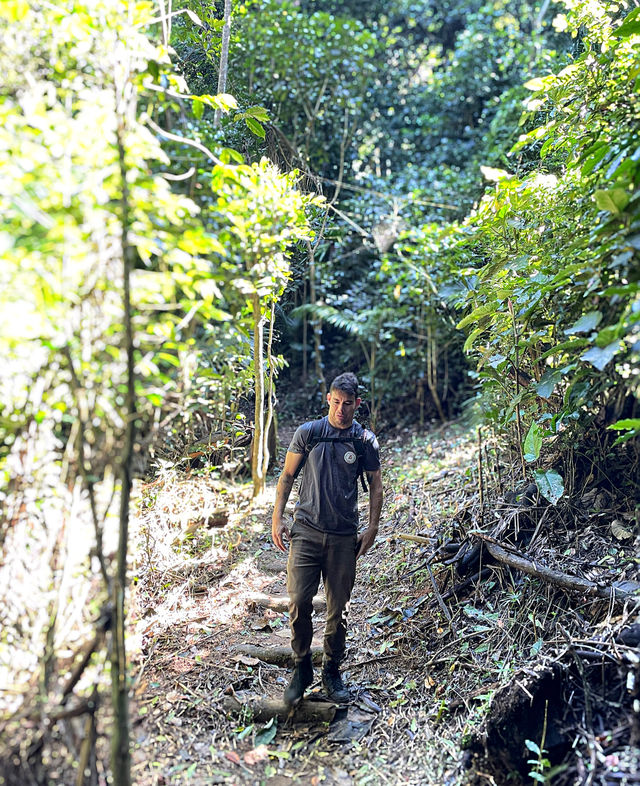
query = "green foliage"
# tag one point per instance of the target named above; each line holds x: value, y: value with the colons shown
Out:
x: 314, y: 88
x: 540, y: 764
x: 550, y: 484
x: 199, y: 264
x: 533, y: 443
x: 547, y: 264
x: 257, y: 215
x: 406, y: 104
x: 88, y: 205
x: 395, y: 104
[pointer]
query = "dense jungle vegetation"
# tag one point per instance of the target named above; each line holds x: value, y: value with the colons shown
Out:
x: 209, y: 209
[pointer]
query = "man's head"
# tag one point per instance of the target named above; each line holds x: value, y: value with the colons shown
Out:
x: 343, y: 400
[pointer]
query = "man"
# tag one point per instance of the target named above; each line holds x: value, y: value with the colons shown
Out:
x: 324, y: 539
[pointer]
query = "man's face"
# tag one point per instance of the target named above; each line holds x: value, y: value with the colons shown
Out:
x: 342, y: 407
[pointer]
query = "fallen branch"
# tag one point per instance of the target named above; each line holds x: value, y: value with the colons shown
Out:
x: 597, y: 655
x: 262, y: 710
x: 375, y: 659
x: 281, y: 603
x: 279, y: 656
x: 52, y: 715
x: 414, y: 538
x: 564, y: 580
x: 442, y: 474
x: 87, y: 651
x: 441, y: 603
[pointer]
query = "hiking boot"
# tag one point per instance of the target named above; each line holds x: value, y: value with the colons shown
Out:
x: 333, y: 684
x: 300, y: 680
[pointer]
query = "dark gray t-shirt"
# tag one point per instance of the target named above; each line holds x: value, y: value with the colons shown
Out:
x: 328, y: 498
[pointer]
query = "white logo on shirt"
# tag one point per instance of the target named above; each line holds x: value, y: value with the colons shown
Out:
x: 350, y: 457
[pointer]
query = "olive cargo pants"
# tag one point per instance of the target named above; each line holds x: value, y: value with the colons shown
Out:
x: 312, y: 554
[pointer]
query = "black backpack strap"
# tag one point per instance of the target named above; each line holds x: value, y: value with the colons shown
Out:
x: 358, y: 446
x: 313, y: 441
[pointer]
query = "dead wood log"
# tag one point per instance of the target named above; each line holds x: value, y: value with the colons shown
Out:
x: 564, y: 580
x: 530, y: 707
x: 281, y: 603
x: 279, y: 656
x: 519, y: 527
x: 216, y: 520
x: 262, y: 710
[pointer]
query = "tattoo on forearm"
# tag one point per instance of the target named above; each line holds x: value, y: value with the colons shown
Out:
x: 286, y: 484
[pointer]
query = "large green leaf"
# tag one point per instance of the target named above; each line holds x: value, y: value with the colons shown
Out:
x: 255, y: 127
x: 477, y: 314
x: 601, y: 356
x: 258, y: 113
x: 550, y: 484
x: 626, y: 423
x: 585, y: 324
x: 614, y: 199
x: 630, y: 26
x: 468, y: 344
x: 533, y: 442
x: 630, y: 425
x: 548, y: 382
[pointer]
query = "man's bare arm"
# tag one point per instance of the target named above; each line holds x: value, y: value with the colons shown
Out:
x: 279, y: 530
x: 368, y: 536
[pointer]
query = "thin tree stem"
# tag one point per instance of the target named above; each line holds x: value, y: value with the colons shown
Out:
x: 120, y: 753
x: 224, y: 58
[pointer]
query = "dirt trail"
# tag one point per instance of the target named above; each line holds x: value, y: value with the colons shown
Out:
x: 423, y: 672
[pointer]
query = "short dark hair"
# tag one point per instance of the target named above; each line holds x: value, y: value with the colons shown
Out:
x: 347, y: 383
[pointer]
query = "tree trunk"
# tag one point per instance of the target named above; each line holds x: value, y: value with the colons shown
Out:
x: 224, y: 58
x: 120, y: 753
x: 257, y: 448
x: 305, y: 337
x: 316, y: 326
x: 268, y: 436
x: 432, y: 371
x: 372, y: 381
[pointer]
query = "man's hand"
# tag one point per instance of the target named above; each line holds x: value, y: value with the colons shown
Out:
x: 365, y: 540
x: 279, y: 531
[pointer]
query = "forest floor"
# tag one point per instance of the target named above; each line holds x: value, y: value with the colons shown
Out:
x: 508, y: 678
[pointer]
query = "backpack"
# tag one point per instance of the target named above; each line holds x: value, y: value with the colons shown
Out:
x: 358, y: 447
